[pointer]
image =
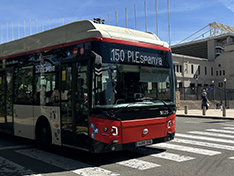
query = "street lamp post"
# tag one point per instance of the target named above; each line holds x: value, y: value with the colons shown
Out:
x: 225, y: 80
x: 213, y: 85
x: 196, y: 76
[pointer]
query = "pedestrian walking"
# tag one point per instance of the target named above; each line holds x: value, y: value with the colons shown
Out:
x: 205, y: 101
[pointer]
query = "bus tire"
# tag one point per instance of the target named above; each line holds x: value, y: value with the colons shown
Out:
x: 43, y: 133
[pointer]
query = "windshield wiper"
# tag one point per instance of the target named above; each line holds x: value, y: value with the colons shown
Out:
x: 171, y: 110
x: 128, y: 106
x: 153, y: 100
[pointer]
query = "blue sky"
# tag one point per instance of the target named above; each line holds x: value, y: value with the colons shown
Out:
x: 186, y: 16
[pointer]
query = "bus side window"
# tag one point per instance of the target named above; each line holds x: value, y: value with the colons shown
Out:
x: 24, y: 85
x: 45, y: 89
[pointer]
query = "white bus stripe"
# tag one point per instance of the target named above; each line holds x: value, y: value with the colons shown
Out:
x: 211, y: 134
x: 205, y: 138
x: 220, y: 131
x: 187, y: 149
x: 11, y: 168
x: 64, y: 163
x: 172, y: 156
x: 138, y: 164
x: 205, y: 144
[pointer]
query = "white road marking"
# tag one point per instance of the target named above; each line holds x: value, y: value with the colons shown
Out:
x: 138, y: 164
x: 231, y: 157
x: 11, y: 168
x: 94, y: 171
x: 206, y: 144
x: 187, y: 149
x: 220, y: 131
x: 205, y: 138
x: 211, y: 134
x: 228, y: 128
x: 65, y: 163
x: 172, y: 156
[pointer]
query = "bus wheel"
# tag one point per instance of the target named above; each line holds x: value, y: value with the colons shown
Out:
x: 43, y: 133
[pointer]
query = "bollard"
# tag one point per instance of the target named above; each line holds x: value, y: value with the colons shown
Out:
x: 185, y: 109
x: 203, y: 110
x: 224, y: 111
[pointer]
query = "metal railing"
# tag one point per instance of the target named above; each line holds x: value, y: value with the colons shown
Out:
x: 213, y: 93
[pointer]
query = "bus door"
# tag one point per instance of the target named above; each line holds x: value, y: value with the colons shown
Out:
x: 6, y: 100
x: 74, y: 103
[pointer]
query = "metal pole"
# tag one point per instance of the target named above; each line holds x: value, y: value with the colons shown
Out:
x: 156, y: 4
x: 1, y: 31
x: 7, y: 32
x: 30, y: 27
x: 169, y: 24
x: 145, y: 18
x: 24, y: 28
x: 203, y: 110
x: 116, y: 18
x: 225, y: 94
x: 126, y: 17
x: 185, y: 109
x: 224, y: 111
x: 12, y: 35
x: 108, y: 19
x: 135, y: 17
x: 42, y: 26
x: 36, y: 25
x: 18, y: 28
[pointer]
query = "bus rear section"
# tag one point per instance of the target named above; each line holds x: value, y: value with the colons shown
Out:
x: 111, y: 135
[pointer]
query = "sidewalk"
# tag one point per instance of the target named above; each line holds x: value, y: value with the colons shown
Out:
x: 210, y: 113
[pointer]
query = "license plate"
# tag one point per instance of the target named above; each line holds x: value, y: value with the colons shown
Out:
x: 143, y: 143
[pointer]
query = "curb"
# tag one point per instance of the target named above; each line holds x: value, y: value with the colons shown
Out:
x: 208, y: 117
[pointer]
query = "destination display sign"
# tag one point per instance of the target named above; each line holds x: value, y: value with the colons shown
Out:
x: 129, y: 54
x: 121, y: 55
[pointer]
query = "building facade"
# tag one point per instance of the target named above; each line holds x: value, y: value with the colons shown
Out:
x: 206, y: 62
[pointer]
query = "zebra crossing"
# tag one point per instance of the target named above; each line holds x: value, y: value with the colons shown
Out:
x: 206, y: 143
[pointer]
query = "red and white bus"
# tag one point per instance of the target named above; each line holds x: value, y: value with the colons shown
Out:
x: 89, y: 86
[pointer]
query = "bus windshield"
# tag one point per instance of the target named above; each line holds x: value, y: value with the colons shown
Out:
x: 124, y: 85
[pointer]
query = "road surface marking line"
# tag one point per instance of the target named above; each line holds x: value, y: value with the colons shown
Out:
x: 10, y: 168
x: 172, y: 156
x: 231, y: 157
x: 228, y: 128
x: 94, y: 171
x: 138, y: 164
x: 205, y: 138
x: 62, y: 162
x: 187, y: 149
x: 220, y: 131
x: 205, y: 144
x: 211, y: 134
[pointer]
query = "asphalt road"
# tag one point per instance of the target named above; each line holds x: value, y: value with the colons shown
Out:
x: 202, y: 147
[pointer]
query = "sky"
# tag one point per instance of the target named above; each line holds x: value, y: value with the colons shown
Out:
x: 24, y: 17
